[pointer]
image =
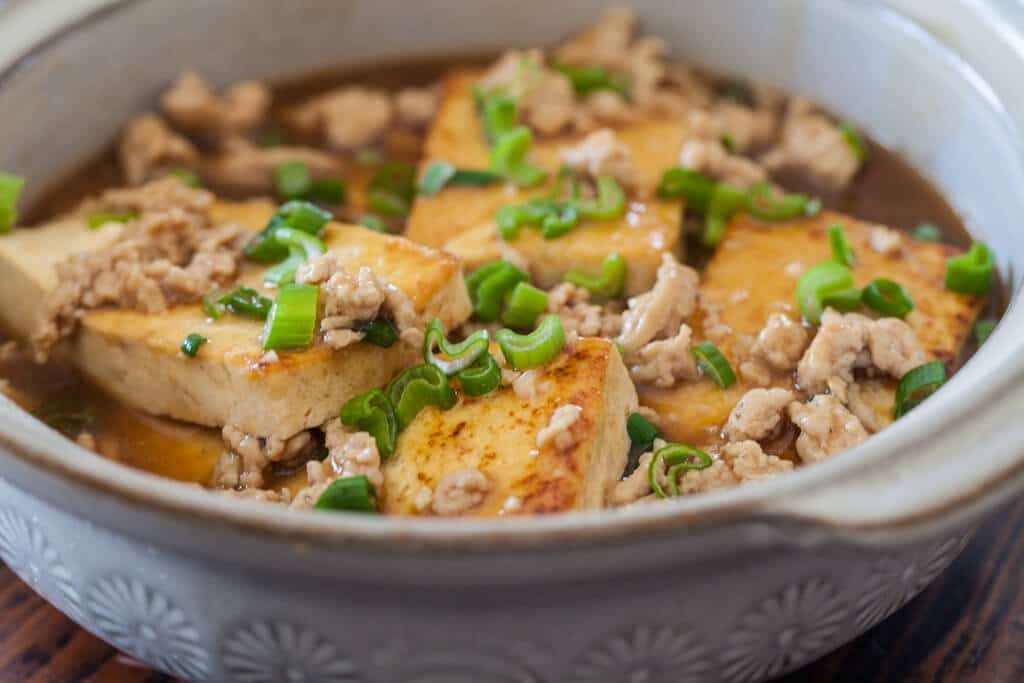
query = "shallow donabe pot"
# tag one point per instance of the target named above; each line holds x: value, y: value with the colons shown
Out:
x: 734, y: 586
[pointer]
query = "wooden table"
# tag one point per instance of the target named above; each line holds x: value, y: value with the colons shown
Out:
x: 968, y: 627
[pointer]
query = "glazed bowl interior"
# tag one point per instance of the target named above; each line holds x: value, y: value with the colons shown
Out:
x: 68, y: 97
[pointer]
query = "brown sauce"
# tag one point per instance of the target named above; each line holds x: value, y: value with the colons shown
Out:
x: 888, y: 190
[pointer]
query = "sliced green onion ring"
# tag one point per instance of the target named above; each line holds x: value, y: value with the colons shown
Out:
x: 498, y: 116
x: 609, y: 204
x: 301, y: 247
x: 692, y: 187
x: 845, y: 300
x: 293, y: 180
x: 488, y: 286
x: 374, y: 223
x: 482, y: 377
x: 379, y: 332
x: 675, y: 458
x: 348, y: 494
x: 416, y: 388
x: 842, y: 251
x: 714, y: 364
x: 292, y: 319
x: 769, y: 206
x: 10, y: 190
x: 854, y: 140
x: 373, y: 413
x: 246, y: 302
x: 725, y: 201
x: 523, y: 305
x: 888, y: 298
x: 190, y: 344
x: 971, y: 273
x: 917, y: 385
x: 460, y: 355
x: 588, y: 79
x: 609, y: 284
x: 524, y: 351
x: 641, y: 432
x: 392, y: 189
x: 821, y: 281
x: 927, y: 232
x: 558, y: 223
x: 327, y: 191
x: 508, y: 158
x: 98, y: 220
x: 441, y: 173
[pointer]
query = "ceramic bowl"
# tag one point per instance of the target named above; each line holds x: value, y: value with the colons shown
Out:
x: 735, y: 586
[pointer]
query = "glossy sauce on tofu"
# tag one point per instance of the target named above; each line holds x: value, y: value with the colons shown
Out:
x: 887, y: 190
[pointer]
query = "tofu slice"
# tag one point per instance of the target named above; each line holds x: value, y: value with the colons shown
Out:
x: 497, y: 434
x: 754, y: 274
x: 136, y: 358
x: 456, y: 136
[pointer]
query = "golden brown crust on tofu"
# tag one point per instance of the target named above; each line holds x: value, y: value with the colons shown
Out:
x: 457, y: 137
x: 497, y: 435
x: 136, y: 357
x: 754, y: 273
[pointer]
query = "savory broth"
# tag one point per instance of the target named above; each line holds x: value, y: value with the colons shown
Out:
x: 888, y: 190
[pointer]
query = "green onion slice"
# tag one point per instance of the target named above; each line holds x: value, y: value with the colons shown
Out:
x: 818, y: 283
x: 374, y: 223
x: 10, y: 190
x: 842, y: 250
x: 292, y: 320
x: 523, y: 305
x: 98, y: 220
x: 526, y: 351
x: 498, y: 116
x: 609, y: 284
x: 641, y: 432
x: 243, y: 301
x: 983, y: 329
x: 441, y: 173
x: 392, y: 189
x: 917, y: 385
x: 212, y: 305
x: 676, y: 458
x: 588, y: 79
x: 459, y: 356
x: 327, y: 191
x: 888, y: 298
x: 845, y: 300
x: 714, y: 364
x: 297, y: 214
x: 729, y: 142
x: 301, y: 247
x: 725, y: 201
x: 927, y: 232
x: 609, y: 204
x: 416, y: 388
x: 348, y: 494
x: 972, y: 272
x: 373, y: 413
x: 488, y: 286
x: 293, y: 180
x: 769, y: 206
x: 508, y: 158
x: 482, y: 377
x: 559, y: 222
x: 692, y: 187
x: 190, y: 344
x: 854, y: 140
x: 568, y: 184
x: 379, y: 332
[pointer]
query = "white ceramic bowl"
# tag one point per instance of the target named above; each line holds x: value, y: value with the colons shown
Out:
x: 740, y: 585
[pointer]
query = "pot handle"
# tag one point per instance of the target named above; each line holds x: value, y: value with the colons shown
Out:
x: 930, y: 476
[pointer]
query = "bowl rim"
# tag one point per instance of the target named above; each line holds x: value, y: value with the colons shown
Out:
x: 109, y: 479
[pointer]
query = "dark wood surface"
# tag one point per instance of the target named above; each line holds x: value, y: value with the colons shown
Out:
x: 968, y: 627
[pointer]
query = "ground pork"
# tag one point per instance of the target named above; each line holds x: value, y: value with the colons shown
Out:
x: 415, y: 107
x: 246, y: 458
x: 350, y: 299
x: 826, y: 428
x: 149, y: 146
x: 163, y: 258
x: 604, y: 107
x: 665, y: 362
x: 637, y: 486
x: 546, y: 99
x: 460, y: 492
x: 244, y: 167
x: 191, y: 104
x: 712, y: 159
x: 750, y: 463
x: 562, y: 430
x: 813, y: 145
x: 856, y: 401
x: 348, y: 118
x: 660, y: 312
x: 778, y: 347
x: 602, y: 154
x: 718, y: 476
x: 527, y: 385
x: 885, y: 241
x: 758, y: 415
x: 846, y: 342
x: 572, y: 305
x: 350, y: 454
x: 744, y: 127
x: 163, y: 194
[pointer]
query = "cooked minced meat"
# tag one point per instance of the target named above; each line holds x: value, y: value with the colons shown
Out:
x: 349, y: 454
x: 244, y: 462
x: 572, y: 305
x: 561, y: 431
x: 711, y: 158
x: 826, y: 428
x: 149, y: 146
x: 244, y: 167
x: 191, y: 104
x: 664, y: 362
x: 602, y: 154
x: 660, y: 312
x: 758, y: 415
x: 460, y: 492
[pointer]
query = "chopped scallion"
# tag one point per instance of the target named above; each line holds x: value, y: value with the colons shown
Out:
x: 854, y: 140
x: 379, y: 332
x: 416, y: 388
x: 927, y: 232
x: 725, y: 201
x: 523, y: 305
x: 538, y: 347
x: 917, y: 385
x: 10, y: 190
x: 348, y: 494
x: 588, y: 79
x: 372, y: 412
x: 609, y: 284
x: 768, y: 205
x: 293, y: 180
x: 675, y: 459
x: 98, y: 220
x: 246, y: 302
x: 372, y: 222
x: 714, y: 364
x: 488, y: 286
x: 972, y: 272
x: 842, y: 251
x: 458, y: 356
x: 824, y: 280
x: 392, y: 188
x: 292, y: 319
x: 190, y: 345
x: 692, y: 187
x: 508, y: 158
x: 482, y: 377
x: 641, y: 432
x: 888, y: 298
x: 609, y: 204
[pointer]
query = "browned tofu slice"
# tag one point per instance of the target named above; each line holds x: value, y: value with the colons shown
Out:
x: 754, y: 274
x: 136, y: 357
x: 497, y: 435
x: 457, y: 137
